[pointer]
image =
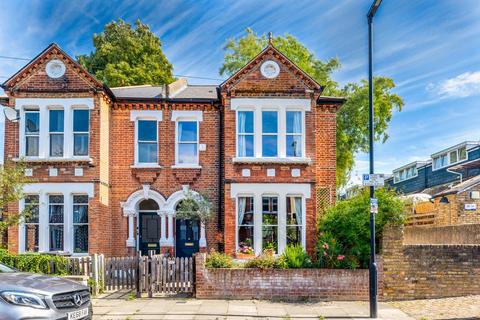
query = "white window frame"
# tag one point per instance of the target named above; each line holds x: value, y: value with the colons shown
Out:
x: 26, y: 224
x: 137, y: 144
x: 80, y: 223
x: 237, y: 225
x: 136, y: 115
x: 447, y: 155
x: 278, y: 134
x: 44, y: 190
x: 57, y: 108
x: 23, y: 150
x: 237, y: 132
x: 63, y: 224
x: 279, y: 190
x: 24, y: 105
x: 281, y: 106
x: 404, y: 170
x: 302, y: 134
x: 80, y: 132
x: 187, y: 116
x: 302, y: 226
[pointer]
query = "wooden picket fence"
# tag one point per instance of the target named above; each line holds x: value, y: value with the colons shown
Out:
x: 92, y: 266
x: 156, y: 274
x: 159, y: 274
x: 120, y: 273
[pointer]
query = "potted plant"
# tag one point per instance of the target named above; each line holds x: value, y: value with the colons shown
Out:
x: 245, y: 250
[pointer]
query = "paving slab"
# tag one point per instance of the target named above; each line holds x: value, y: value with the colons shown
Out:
x: 178, y: 309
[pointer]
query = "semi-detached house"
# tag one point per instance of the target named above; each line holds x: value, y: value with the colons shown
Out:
x: 108, y: 166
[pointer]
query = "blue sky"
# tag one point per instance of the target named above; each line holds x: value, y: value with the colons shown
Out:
x: 430, y: 48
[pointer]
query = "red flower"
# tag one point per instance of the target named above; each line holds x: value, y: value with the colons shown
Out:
x: 325, y: 245
x: 340, y: 257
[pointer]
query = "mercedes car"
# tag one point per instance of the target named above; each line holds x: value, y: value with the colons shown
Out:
x: 34, y: 296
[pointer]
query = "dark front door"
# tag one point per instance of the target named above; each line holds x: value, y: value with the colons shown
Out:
x: 186, y: 237
x: 149, y: 232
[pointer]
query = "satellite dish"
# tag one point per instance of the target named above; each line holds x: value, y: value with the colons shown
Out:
x: 11, y: 114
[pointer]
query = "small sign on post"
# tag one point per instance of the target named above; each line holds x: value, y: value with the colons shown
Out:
x: 373, y: 180
x: 373, y: 205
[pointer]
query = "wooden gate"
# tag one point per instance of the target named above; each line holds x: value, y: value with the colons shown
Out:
x: 159, y: 274
x: 120, y: 273
x: 150, y: 274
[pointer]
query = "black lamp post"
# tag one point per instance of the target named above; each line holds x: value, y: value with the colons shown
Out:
x: 373, y: 264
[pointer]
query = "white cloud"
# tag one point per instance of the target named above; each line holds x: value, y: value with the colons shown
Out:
x: 464, y: 85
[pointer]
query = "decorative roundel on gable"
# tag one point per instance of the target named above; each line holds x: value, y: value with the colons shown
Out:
x: 270, y: 69
x: 55, y: 68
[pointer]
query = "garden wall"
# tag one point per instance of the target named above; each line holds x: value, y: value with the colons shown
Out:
x: 418, y: 271
x: 280, y: 284
x: 456, y: 234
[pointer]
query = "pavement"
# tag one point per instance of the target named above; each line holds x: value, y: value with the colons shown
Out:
x: 125, y: 306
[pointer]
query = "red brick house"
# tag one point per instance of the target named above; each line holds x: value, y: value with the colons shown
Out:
x: 110, y: 165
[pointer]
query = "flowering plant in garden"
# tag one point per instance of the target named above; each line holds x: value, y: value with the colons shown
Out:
x: 330, y: 254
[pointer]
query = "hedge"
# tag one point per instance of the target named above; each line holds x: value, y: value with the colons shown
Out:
x: 35, y: 262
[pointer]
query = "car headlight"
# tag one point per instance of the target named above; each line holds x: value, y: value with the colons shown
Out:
x: 24, y: 299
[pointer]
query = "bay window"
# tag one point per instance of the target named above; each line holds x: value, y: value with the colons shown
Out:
x: 269, y: 133
x: 245, y: 134
x: 270, y: 223
x: 80, y: 223
x: 294, y: 220
x: 187, y: 143
x: 294, y: 133
x: 147, y: 144
x: 31, y: 231
x: 56, y: 125
x: 56, y: 220
x: 270, y: 130
x: 32, y: 133
x: 245, y: 225
x: 81, y: 129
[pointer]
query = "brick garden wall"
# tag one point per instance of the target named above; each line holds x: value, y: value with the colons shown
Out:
x: 280, y: 284
x: 458, y: 234
x: 423, y: 271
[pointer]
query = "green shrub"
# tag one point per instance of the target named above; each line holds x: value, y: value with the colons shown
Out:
x: 266, y: 260
x: 219, y: 260
x: 35, y: 262
x: 344, y: 231
x: 295, y: 257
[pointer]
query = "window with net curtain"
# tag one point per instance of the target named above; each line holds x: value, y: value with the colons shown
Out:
x: 80, y: 223
x: 294, y: 220
x: 81, y: 132
x: 245, y: 224
x: 56, y: 219
x: 245, y: 138
x: 294, y: 134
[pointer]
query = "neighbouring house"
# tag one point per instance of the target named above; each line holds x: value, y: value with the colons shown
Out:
x: 438, y: 173
x: 110, y: 165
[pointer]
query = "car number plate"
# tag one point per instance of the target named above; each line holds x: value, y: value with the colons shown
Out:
x: 79, y: 314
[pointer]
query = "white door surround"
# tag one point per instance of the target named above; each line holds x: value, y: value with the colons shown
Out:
x: 166, y: 212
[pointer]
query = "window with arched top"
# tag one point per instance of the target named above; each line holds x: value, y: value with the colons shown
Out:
x: 149, y: 204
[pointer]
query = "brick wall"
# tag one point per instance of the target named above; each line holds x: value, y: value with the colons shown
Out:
x: 280, y: 284
x: 423, y: 271
x: 166, y: 180
x: 458, y: 234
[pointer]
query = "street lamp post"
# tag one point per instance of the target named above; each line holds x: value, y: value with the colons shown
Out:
x: 373, y: 264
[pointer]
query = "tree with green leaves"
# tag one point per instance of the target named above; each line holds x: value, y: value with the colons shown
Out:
x: 352, y: 118
x: 12, y: 181
x: 126, y: 56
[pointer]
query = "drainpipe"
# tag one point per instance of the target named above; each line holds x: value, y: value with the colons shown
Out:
x: 457, y: 173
